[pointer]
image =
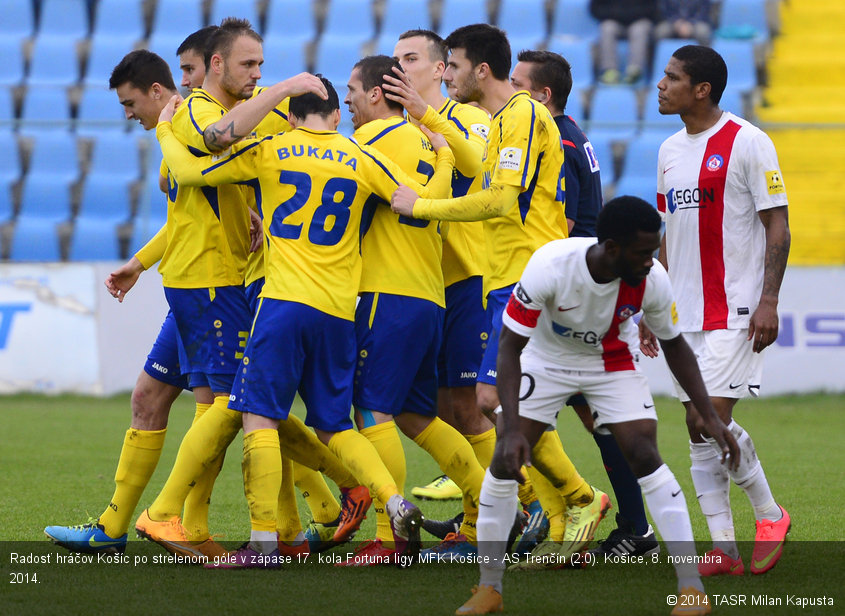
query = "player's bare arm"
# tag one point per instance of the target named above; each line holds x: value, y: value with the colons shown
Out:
x: 763, y: 328
x: 121, y: 280
x: 682, y: 363
x: 244, y: 117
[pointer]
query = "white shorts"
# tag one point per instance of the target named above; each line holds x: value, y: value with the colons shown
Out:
x: 729, y: 366
x: 614, y: 397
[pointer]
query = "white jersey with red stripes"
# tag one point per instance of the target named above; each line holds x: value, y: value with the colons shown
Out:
x: 710, y: 187
x: 576, y: 323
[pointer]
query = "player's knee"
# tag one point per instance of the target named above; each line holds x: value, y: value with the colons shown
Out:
x: 148, y: 410
x: 488, y: 398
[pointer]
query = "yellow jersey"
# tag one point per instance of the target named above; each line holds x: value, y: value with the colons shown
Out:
x: 401, y: 254
x: 316, y: 186
x: 207, y: 227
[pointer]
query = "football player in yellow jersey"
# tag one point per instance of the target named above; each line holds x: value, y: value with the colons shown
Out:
x: 316, y: 186
x: 522, y: 204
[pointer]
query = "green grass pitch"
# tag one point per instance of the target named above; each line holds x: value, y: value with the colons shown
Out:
x: 58, y: 456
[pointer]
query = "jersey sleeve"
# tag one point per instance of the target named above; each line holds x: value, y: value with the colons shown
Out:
x: 573, y: 181
x: 762, y: 173
x: 659, y: 309
x: 199, y: 114
x: 528, y: 297
x: 465, y: 134
x: 517, y: 160
x: 385, y: 175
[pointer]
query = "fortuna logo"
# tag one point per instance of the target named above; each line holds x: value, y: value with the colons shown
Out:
x: 715, y: 162
x: 626, y: 311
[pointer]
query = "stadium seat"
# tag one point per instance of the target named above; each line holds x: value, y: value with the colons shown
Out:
x: 644, y: 188
x: 335, y: 57
x: 732, y: 100
x: 18, y: 21
x: 402, y: 15
x: 6, y: 206
x: 45, y: 197
x: 744, y: 18
x: 143, y: 229
x: 67, y: 19
x: 349, y: 18
x: 243, y: 9
x: 613, y: 109
x: 35, y: 239
x: 285, y: 18
x: 105, y: 197
x: 283, y: 57
x: 10, y: 163
x: 7, y: 110
x: 54, y: 155
x: 571, y: 19
x: 100, y: 112
x: 663, y: 51
x: 177, y: 18
x: 579, y: 54
x: 654, y: 121
x: 641, y: 157
x: 105, y: 52
x: 575, y: 106
x: 54, y: 62
x: 45, y: 109
x: 115, y: 156
x: 121, y: 19
x: 94, y: 239
x: 457, y: 13
x: 524, y: 20
x: 739, y: 56
x: 11, y: 69
x: 165, y: 45
x: 603, y: 147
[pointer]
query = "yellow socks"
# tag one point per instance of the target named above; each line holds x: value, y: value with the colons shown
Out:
x: 262, y: 467
x: 138, y: 459
x: 385, y: 439
x: 206, y: 439
x: 361, y: 458
x: 322, y: 503
x: 552, y: 502
x: 288, y: 523
x: 483, y: 445
x: 195, y: 518
x: 552, y: 461
x: 301, y: 444
x: 456, y: 459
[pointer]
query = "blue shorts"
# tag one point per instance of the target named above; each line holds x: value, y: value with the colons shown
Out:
x: 163, y: 360
x: 295, y: 348
x: 398, y: 342
x: 496, y: 302
x: 465, y: 334
x: 213, y: 327
x: 253, y: 290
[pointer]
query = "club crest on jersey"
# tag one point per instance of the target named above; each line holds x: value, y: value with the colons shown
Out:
x: 626, y: 311
x: 715, y: 162
x: 510, y: 159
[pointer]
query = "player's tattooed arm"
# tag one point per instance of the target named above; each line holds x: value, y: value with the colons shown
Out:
x: 763, y: 328
x: 218, y: 138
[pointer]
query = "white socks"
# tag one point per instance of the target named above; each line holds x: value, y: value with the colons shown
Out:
x: 712, y: 487
x: 496, y: 512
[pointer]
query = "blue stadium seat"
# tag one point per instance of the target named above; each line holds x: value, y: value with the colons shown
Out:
x: 283, y: 58
x: 115, y: 156
x: 335, y: 58
x: 11, y: 69
x: 402, y: 15
x: 122, y: 19
x: 6, y: 207
x: 54, y: 62
x: 524, y: 20
x: 732, y: 100
x: 63, y: 18
x: 35, y: 239
x: 571, y: 19
x: 663, y: 53
x: 614, y: 109
x: 94, y: 239
x: 7, y: 110
x: 575, y: 106
x: 18, y: 21
x: 603, y: 147
x: 106, y: 51
x: 350, y: 18
x: 579, y: 54
x: 45, y: 197
x: 100, y: 112
x: 143, y: 229
x: 739, y: 56
x: 177, y: 18
x: 642, y: 187
x: 165, y: 45
x: 54, y: 155
x: 641, y: 157
x: 243, y: 9
x: 286, y: 18
x: 457, y: 13
x: 106, y: 198
x: 45, y: 109
x: 10, y: 162
x: 743, y: 17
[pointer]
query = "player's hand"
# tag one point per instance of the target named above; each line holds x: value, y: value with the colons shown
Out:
x: 121, y: 280
x: 512, y: 452
x: 169, y: 110
x: 256, y: 231
x: 716, y: 429
x: 763, y: 328
x: 305, y: 83
x: 438, y: 141
x: 403, y: 199
x: 398, y: 88
x: 648, y: 341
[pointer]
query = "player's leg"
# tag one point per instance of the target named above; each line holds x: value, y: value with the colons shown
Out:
x: 325, y: 510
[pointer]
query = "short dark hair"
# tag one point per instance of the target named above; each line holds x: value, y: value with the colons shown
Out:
x: 197, y: 41
x: 549, y: 70
x: 483, y: 43
x: 222, y: 39
x: 141, y: 69
x: 305, y: 104
x: 372, y: 70
x: 623, y: 217
x: 437, y: 50
x: 704, y: 65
